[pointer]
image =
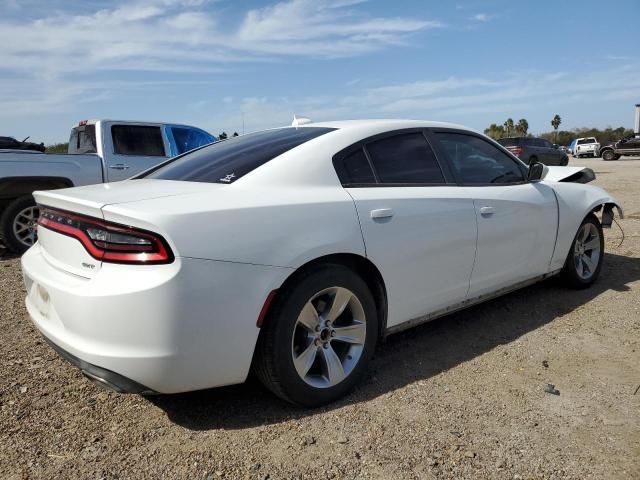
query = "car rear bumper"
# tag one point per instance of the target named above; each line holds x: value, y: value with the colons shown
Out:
x: 163, y: 328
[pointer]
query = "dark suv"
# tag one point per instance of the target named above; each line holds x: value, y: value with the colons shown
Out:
x: 531, y: 150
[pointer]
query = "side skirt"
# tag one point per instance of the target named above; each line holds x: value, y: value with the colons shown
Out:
x: 466, y: 303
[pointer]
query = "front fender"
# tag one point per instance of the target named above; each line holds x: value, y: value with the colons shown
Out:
x: 575, y: 202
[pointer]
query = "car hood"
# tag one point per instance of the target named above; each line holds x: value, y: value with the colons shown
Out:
x: 570, y: 174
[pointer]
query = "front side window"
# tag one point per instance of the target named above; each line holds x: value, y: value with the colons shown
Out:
x: 476, y: 161
x: 137, y: 140
x: 229, y: 160
x: 406, y: 158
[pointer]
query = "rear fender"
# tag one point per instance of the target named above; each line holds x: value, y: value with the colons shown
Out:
x: 575, y: 202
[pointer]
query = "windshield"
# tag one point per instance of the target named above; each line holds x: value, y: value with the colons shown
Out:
x: 83, y: 139
x: 229, y: 160
x: 585, y: 141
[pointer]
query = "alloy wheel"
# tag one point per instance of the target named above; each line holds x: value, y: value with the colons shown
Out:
x: 587, y: 251
x: 329, y: 337
x: 25, y: 225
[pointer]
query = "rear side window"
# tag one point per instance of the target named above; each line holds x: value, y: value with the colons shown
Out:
x: 405, y: 158
x: 138, y: 140
x: 229, y: 160
x: 476, y: 161
x: 83, y: 139
x: 356, y: 169
x: 189, y: 138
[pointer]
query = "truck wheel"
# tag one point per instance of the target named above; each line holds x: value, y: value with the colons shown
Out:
x: 18, y: 224
x: 609, y: 155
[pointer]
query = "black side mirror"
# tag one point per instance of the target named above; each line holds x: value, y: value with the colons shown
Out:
x: 536, y: 171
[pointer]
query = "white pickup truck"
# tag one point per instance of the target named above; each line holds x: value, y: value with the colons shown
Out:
x: 99, y: 151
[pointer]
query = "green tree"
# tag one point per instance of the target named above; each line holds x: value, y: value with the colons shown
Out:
x: 522, y: 127
x: 555, y: 123
x: 508, y: 126
x: 494, y: 131
x: 57, y: 148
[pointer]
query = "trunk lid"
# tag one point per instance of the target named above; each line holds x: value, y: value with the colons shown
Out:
x: 67, y: 253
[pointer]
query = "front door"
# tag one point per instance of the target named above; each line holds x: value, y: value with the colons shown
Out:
x: 517, y: 220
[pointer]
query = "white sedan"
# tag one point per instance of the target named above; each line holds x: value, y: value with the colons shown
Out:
x: 293, y: 251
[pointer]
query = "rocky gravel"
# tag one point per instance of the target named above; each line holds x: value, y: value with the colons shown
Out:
x: 465, y: 396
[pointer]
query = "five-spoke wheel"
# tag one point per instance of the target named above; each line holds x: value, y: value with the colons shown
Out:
x: 585, y: 257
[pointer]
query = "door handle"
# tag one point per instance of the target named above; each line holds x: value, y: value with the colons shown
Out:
x: 486, y: 211
x: 382, y: 213
x: 119, y: 166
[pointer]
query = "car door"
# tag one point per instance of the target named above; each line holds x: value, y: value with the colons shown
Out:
x: 517, y: 220
x: 132, y: 148
x: 419, y: 229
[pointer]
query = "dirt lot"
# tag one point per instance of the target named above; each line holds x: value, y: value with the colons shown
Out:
x: 461, y: 397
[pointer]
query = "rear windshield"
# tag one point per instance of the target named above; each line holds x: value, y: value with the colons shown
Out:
x: 585, y: 141
x: 229, y: 160
x: 509, y: 142
x: 83, y: 139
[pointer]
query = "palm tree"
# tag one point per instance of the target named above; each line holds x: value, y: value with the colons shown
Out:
x: 522, y: 127
x: 508, y: 126
x: 555, y: 123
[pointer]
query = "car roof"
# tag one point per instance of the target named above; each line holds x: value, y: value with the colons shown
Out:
x: 390, y: 124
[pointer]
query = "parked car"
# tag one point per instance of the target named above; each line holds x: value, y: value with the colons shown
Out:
x: 99, y: 151
x: 531, y: 150
x: 588, y: 146
x: 571, y: 148
x: 627, y: 146
x: 251, y: 252
x: 10, y: 143
x: 562, y: 148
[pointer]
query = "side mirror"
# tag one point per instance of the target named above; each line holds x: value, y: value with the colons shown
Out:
x: 537, y: 171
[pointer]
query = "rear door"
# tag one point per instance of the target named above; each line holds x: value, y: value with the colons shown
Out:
x: 419, y: 228
x: 517, y: 220
x: 132, y: 148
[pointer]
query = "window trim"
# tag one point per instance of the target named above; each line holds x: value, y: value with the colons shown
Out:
x: 340, y: 156
x: 432, y: 133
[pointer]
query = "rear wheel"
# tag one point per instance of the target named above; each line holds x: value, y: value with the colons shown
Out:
x: 609, y: 155
x: 584, y: 260
x: 318, y: 338
x: 18, y: 224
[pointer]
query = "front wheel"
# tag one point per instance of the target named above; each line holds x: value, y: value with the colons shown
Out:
x: 319, y: 337
x: 18, y: 224
x: 584, y: 260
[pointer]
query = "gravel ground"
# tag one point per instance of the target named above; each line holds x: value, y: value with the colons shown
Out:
x: 461, y: 397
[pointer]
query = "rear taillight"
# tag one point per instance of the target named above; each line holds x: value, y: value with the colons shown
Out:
x: 515, y: 150
x: 108, y: 241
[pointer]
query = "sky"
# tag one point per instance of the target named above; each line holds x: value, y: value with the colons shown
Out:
x: 226, y: 65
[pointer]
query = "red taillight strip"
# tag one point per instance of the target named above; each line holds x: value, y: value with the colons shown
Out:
x: 114, y: 253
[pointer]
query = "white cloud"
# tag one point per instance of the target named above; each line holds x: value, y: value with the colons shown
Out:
x: 482, y: 17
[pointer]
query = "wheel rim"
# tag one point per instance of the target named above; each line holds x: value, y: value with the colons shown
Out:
x: 25, y: 226
x: 587, y: 251
x: 329, y: 337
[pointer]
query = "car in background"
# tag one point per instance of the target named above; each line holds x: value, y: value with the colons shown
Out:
x: 293, y: 251
x: 531, y: 150
x: 627, y: 146
x: 587, y: 147
x: 571, y: 147
x: 10, y: 143
x: 562, y: 148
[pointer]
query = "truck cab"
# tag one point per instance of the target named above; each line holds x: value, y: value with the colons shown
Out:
x: 99, y: 151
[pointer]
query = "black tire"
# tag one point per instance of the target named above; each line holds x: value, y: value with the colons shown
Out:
x: 12, y: 242
x: 565, y: 161
x: 273, y: 361
x: 609, y: 155
x: 570, y: 273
